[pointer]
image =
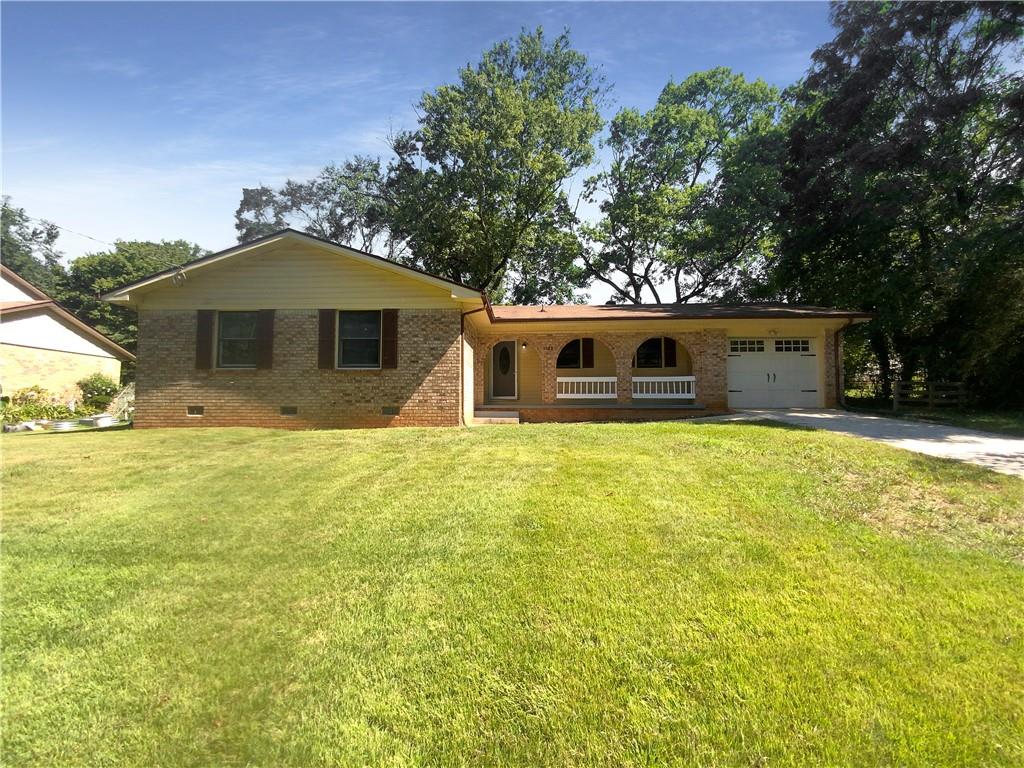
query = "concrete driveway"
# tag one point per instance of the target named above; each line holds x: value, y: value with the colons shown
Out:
x: 1001, y: 453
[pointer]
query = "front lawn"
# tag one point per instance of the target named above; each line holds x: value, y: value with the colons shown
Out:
x: 1007, y: 422
x: 716, y: 594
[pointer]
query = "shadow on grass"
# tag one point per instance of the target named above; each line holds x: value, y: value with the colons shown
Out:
x: 755, y: 422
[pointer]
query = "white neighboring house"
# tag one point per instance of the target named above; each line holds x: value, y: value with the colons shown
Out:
x: 41, y: 343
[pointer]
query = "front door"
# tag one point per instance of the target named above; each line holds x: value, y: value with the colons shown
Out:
x: 504, y: 376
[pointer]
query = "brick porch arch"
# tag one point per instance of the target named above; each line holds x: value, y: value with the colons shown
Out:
x: 708, y: 350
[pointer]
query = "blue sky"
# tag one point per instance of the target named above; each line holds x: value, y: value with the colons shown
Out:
x: 145, y: 120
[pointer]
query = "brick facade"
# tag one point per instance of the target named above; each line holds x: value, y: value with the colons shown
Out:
x: 708, y: 350
x: 424, y: 389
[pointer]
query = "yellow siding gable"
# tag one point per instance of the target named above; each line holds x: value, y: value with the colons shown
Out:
x: 294, y: 275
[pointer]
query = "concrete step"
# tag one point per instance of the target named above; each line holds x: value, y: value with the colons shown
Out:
x: 495, y: 417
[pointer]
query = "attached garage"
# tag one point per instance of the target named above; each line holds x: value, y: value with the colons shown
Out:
x: 773, y: 373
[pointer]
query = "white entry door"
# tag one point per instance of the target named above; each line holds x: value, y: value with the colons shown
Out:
x: 773, y: 373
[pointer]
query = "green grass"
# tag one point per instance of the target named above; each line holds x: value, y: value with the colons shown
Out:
x: 717, y: 594
x: 1008, y: 422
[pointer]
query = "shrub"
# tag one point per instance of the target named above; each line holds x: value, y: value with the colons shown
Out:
x: 11, y: 414
x: 98, y: 390
x: 34, y: 395
x: 32, y: 403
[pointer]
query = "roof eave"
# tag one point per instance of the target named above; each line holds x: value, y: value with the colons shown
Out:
x: 855, y: 317
x: 121, y: 294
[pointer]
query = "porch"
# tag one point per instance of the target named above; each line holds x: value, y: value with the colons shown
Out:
x: 612, y: 376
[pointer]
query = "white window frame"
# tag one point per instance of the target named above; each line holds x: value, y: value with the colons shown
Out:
x: 795, y: 345
x: 746, y: 345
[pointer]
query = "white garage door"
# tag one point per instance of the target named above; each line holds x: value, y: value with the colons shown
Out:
x: 773, y: 373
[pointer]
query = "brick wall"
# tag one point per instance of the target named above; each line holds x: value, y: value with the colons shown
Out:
x: 53, y: 370
x: 424, y: 388
x: 708, y: 351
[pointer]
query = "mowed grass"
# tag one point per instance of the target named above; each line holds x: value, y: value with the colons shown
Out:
x: 591, y: 595
x: 1007, y: 421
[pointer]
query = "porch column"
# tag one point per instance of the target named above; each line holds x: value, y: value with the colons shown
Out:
x: 622, y: 349
x: 548, y: 350
x: 711, y: 381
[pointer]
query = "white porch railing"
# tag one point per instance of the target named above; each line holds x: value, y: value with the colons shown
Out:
x: 585, y: 387
x: 664, y: 387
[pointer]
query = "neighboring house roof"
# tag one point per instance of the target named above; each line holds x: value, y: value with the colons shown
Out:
x: 11, y: 305
x: 120, y: 294
x: 13, y: 277
x: 48, y: 305
x: 521, y: 314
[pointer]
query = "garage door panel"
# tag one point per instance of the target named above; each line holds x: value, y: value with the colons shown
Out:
x: 774, y: 379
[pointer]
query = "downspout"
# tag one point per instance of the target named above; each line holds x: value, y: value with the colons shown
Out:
x: 462, y: 359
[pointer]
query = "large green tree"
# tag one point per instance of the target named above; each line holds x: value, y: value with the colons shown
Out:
x: 689, y: 200
x: 479, y: 188
x: 477, y: 192
x: 29, y: 247
x: 343, y: 203
x: 90, y: 276
x: 905, y: 187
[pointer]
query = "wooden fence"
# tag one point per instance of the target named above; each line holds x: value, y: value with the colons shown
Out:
x: 931, y: 394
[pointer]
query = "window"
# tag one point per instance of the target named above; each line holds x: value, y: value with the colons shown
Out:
x: 650, y: 354
x: 792, y: 345
x: 236, y: 339
x: 746, y: 345
x: 193, y: 410
x: 289, y: 410
x: 359, y: 339
x: 571, y: 355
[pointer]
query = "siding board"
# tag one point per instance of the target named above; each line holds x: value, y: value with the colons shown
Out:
x: 296, y: 277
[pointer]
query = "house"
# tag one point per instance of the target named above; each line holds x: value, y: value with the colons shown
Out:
x: 43, y: 344
x: 293, y: 331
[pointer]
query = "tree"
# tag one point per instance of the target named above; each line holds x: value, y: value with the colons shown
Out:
x: 29, y: 248
x: 905, y: 186
x: 690, y: 198
x: 478, y: 190
x: 90, y: 276
x: 343, y: 204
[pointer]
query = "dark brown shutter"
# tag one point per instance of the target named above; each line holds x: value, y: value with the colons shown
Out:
x: 588, y: 354
x: 389, y: 338
x: 328, y: 326
x: 265, y: 339
x: 670, y: 353
x: 204, y: 339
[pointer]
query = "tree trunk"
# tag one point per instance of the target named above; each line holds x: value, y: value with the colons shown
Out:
x: 880, y: 346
